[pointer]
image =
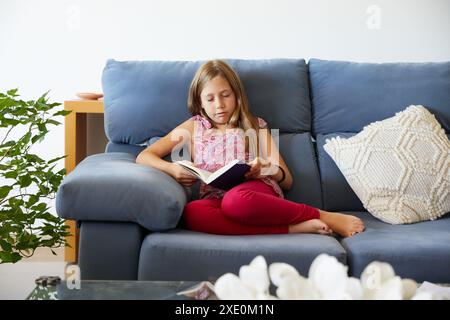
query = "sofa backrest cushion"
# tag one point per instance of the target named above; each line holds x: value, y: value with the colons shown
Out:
x: 144, y: 99
x: 298, y: 153
x: 336, y: 192
x: 346, y: 96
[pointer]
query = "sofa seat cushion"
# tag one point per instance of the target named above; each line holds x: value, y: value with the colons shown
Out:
x: 187, y: 255
x: 112, y: 187
x: 419, y: 251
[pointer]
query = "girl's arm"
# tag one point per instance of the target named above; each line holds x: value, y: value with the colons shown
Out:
x: 270, y: 153
x: 152, y: 155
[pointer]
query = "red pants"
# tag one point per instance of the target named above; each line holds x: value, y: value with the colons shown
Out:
x: 252, y: 207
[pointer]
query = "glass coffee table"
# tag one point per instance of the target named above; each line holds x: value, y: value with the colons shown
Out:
x: 117, y: 290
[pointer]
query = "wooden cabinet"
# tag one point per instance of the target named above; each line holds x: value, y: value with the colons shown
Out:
x: 76, y: 137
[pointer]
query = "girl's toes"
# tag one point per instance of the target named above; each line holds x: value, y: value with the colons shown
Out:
x: 324, y: 232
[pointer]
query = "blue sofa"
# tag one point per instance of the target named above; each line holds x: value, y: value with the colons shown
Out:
x: 128, y: 233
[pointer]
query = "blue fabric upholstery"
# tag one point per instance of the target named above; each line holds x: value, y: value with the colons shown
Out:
x: 192, y: 191
x: 133, y: 149
x: 144, y: 92
x: 337, y: 194
x: 147, y: 99
x: 346, y: 96
x: 112, y: 187
x: 419, y: 251
x: 187, y: 255
x: 109, y: 250
x: 298, y: 152
x: 124, y: 148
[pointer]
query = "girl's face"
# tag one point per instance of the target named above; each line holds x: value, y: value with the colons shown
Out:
x: 218, y: 100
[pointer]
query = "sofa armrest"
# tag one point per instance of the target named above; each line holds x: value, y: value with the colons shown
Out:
x: 112, y: 187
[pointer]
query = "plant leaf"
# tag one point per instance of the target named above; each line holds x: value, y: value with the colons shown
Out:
x: 9, y: 257
x: 24, y: 181
x: 62, y: 113
x: 56, y: 159
x: 12, y: 92
x: 56, y: 123
x: 4, y: 191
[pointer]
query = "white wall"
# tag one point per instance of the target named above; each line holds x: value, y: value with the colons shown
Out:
x: 62, y: 45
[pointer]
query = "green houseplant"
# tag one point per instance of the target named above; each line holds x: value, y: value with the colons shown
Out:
x: 26, y: 180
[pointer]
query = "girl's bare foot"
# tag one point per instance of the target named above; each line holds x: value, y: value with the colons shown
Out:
x: 343, y: 224
x: 311, y: 226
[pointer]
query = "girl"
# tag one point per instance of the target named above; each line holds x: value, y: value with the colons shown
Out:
x: 221, y: 116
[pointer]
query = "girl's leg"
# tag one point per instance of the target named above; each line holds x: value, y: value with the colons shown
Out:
x: 206, y: 215
x: 256, y: 203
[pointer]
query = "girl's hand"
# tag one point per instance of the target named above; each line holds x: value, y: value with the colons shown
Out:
x: 183, y: 176
x: 255, y: 170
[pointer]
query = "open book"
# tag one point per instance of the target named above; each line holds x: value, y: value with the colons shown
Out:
x: 225, y: 178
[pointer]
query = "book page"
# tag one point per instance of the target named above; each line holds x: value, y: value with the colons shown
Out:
x: 202, y: 174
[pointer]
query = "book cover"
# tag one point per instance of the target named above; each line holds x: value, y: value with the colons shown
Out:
x: 225, y: 178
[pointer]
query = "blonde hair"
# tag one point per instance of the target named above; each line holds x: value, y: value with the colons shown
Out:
x: 241, y: 117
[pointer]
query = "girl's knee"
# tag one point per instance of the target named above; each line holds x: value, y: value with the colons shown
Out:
x: 192, y: 213
x: 198, y: 211
x: 236, y: 202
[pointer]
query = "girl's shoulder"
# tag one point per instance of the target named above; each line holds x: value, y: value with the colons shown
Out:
x: 202, y: 121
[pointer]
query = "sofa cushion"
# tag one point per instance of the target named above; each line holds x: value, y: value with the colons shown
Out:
x: 142, y: 93
x: 112, y: 187
x: 106, y: 245
x: 397, y: 166
x: 192, y: 191
x: 337, y: 195
x: 187, y: 255
x: 112, y: 147
x: 298, y: 153
x: 419, y: 251
x: 346, y: 96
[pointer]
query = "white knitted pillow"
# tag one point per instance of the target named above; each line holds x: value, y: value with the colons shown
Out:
x: 399, y: 167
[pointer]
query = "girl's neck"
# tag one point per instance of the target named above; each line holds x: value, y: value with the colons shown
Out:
x: 223, y: 127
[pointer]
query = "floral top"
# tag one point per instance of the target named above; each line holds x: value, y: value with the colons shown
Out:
x: 214, y: 150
